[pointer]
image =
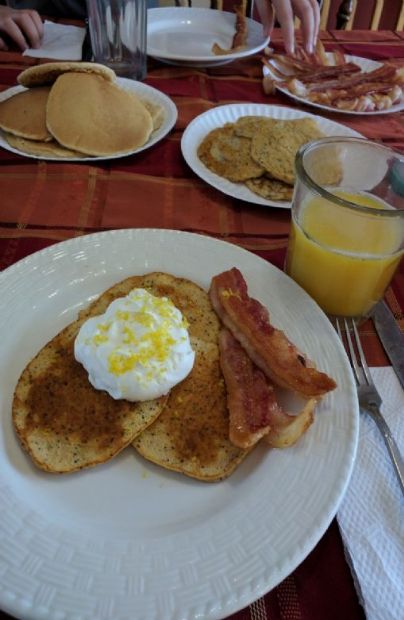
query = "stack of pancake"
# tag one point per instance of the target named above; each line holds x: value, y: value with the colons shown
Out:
x: 65, y: 424
x: 258, y: 151
x: 74, y: 109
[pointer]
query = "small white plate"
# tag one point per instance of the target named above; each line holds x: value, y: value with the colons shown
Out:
x: 128, y: 539
x: 364, y: 63
x: 217, y: 117
x: 142, y: 90
x: 185, y: 36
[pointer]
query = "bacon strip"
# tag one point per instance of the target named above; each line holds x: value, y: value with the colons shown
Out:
x: 309, y: 75
x: 385, y: 76
x: 240, y: 36
x: 254, y: 411
x: 239, y: 41
x: 286, y: 429
x: 250, y: 397
x: 268, y: 347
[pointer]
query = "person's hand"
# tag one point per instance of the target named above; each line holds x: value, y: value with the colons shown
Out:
x: 23, y: 27
x: 307, y: 11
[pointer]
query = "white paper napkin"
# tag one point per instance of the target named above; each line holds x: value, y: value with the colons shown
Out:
x: 60, y: 42
x: 371, y: 517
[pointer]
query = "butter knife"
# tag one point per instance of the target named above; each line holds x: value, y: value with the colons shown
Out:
x: 391, y: 338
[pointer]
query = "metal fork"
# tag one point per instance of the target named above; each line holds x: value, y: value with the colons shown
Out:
x: 369, y: 398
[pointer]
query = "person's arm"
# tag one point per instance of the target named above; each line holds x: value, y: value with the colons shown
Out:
x: 307, y: 11
x: 23, y: 27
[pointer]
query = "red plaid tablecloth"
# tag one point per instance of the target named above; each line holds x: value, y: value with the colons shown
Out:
x: 45, y: 202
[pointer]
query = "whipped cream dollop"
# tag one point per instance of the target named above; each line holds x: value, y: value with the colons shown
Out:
x: 138, y: 350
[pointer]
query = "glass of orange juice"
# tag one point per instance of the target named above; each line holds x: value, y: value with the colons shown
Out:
x: 347, y: 230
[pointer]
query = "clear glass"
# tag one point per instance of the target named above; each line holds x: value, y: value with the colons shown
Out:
x: 347, y: 229
x: 118, y: 32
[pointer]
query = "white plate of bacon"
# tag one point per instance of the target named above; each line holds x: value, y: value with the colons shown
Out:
x: 128, y: 538
x: 336, y: 82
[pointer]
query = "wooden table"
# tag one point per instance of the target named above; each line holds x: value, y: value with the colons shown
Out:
x: 46, y: 202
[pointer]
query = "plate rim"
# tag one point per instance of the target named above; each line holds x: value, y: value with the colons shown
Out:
x: 255, y: 588
x: 211, y: 59
x: 134, y: 86
x: 250, y: 196
x: 399, y: 107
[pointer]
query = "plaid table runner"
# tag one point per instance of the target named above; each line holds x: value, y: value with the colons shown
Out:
x: 45, y: 202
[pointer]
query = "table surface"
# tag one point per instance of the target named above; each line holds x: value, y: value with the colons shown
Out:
x: 46, y: 202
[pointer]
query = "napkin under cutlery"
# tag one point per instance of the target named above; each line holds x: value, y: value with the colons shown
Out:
x: 371, y: 516
x: 60, y: 42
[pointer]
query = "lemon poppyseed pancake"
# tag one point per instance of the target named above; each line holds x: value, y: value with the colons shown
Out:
x: 187, y: 296
x: 61, y: 420
x: 191, y: 435
x: 276, y: 149
x: 229, y: 155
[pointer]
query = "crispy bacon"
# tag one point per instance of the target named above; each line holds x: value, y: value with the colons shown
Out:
x: 335, y: 82
x: 324, y: 73
x: 274, y: 70
x: 268, y: 347
x: 381, y: 77
x: 239, y: 41
x: 250, y: 397
x: 286, y: 429
x: 240, y: 36
x: 254, y: 411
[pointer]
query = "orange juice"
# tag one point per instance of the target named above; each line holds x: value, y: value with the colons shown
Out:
x: 343, y: 258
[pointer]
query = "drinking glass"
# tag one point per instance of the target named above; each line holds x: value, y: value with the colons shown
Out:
x: 118, y: 33
x: 347, y: 230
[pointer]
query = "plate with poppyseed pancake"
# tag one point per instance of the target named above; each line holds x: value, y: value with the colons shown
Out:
x: 128, y: 538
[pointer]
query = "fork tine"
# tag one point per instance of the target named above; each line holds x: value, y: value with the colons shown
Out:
x: 352, y: 352
x: 362, y: 358
x: 346, y: 341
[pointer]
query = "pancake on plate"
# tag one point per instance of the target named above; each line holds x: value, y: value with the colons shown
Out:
x: 246, y: 126
x: 275, y: 150
x: 89, y: 114
x: 258, y: 151
x: 60, y: 419
x: 41, y: 149
x: 24, y: 114
x: 49, y: 71
x: 228, y: 154
x: 191, y: 435
x: 187, y: 296
x: 270, y: 188
x: 156, y: 112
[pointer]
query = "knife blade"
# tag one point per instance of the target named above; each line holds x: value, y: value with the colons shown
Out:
x: 391, y: 338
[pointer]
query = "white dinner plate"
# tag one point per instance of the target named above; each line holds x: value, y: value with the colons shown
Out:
x: 217, y: 117
x: 128, y: 539
x: 185, y: 36
x: 364, y: 63
x: 142, y: 90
